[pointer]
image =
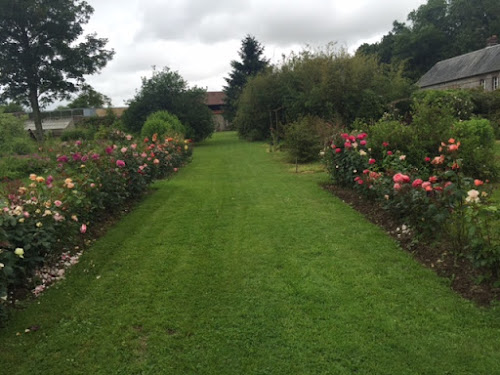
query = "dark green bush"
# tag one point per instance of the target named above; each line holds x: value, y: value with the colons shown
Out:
x: 19, y: 167
x: 22, y: 146
x: 164, y: 124
x: 303, y: 139
x: 477, y: 148
x: 458, y: 102
x: 487, y: 105
x: 167, y: 90
x: 11, y: 128
x: 398, y: 135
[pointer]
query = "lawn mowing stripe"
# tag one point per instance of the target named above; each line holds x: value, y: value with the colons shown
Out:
x: 236, y: 266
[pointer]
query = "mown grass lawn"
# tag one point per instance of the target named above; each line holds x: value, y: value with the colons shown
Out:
x: 237, y: 266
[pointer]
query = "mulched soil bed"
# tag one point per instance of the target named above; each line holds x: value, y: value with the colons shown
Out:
x: 437, y: 256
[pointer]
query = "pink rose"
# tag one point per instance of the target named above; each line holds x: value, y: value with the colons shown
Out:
x: 83, y: 228
x: 427, y: 186
x: 362, y: 143
x: 120, y: 163
x: 417, y: 183
x: 338, y: 151
x: 372, y: 161
x: 347, y: 145
x: 397, y: 186
x: 58, y: 203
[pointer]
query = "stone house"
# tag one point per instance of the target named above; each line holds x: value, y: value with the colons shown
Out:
x: 472, y: 70
x: 215, y: 101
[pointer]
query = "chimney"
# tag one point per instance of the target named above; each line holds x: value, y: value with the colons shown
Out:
x: 492, y: 41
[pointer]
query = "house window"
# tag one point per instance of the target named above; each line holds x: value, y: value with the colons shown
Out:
x: 482, y: 83
x: 494, y: 83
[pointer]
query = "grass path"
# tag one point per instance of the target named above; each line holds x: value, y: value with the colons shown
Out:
x: 237, y: 266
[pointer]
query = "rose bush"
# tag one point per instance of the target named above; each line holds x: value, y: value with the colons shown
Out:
x: 40, y: 216
x: 434, y: 198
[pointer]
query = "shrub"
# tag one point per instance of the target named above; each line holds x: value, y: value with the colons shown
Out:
x: 164, y: 124
x: 477, y: 148
x: 167, y: 90
x: 303, y: 139
x: 458, y: 102
x: 11, y: 127
x: 22, y: 146
x: 386, y: 135
x: 41, y: 215
x: 437, y: 202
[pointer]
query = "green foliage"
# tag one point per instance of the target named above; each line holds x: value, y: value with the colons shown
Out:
x: 78, y: 183
x: 89, y: 98
x: 396, y: 136
x: 252, y: 63
x: 487, y: 105
x: 22, y: 146
x: 458, y: 102
x: 437, y: 30
x: 11, y: 107
x: 431, y: 124
x: 15, y: 167
x: 11, y: 132
x: 167, y: 90
x: 438, y: 202
x: 477, y: 148
x: 258, y: 106
x: 303, y: 139
x: 39, y: 56
x: 164, y: 124
x: 328, y: 84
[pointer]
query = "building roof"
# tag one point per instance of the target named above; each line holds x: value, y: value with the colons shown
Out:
x: 471, y: 64
x: 49, y: 124
x: 215, y: 98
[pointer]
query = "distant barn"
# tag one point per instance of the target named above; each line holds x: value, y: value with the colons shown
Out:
x: 472, y: 70
x: 215, y: 101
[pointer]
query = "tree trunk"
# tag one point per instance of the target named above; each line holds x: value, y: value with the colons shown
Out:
x: 37, y: 117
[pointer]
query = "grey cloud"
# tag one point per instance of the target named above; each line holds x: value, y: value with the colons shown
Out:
x: 280, y: 22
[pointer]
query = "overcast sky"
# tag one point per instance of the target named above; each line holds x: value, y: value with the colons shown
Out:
x: 199, y: 38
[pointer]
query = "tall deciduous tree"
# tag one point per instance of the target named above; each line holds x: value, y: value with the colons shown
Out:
x: 43, y: 55
x: 89, y: 98
x: 437, y: 30
x: 252, y: 62
x: 167, y: 90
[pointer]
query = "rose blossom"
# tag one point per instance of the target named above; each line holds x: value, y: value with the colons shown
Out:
x: 427, y: 186
x: 417, y: 183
